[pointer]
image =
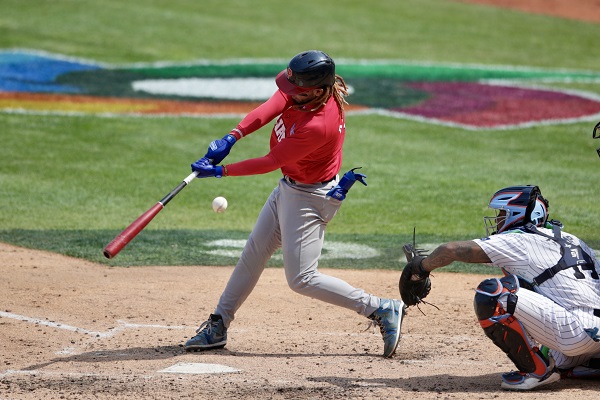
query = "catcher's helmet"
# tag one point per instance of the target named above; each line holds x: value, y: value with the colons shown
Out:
x: 522, y: 204
x: 307, y: 70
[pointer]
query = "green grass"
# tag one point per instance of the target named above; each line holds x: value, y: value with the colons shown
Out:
x: 428, y: 30
x: 69, y: 184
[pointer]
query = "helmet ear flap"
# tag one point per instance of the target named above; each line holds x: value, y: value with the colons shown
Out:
x: 543, y: 200
x: 537, y: 209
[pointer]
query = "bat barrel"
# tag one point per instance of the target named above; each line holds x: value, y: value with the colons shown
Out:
x: 119, y: 242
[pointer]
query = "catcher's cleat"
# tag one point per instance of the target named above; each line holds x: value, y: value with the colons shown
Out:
x: 389, y: 319
x: 588, y: 370
x: 580, y: 372
x: 212, y: 334
x: 524, y: 381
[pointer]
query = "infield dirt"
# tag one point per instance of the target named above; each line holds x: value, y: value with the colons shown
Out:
x: 72, y: 329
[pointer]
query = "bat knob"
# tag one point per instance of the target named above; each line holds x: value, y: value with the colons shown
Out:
x: 107, y: 254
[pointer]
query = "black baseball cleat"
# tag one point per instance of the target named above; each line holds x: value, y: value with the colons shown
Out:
x: 212, y: 334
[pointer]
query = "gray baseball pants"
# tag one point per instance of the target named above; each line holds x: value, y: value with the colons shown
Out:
x: 294, y: 219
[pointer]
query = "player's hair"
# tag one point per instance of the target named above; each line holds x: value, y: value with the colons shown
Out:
x: 339, y: 91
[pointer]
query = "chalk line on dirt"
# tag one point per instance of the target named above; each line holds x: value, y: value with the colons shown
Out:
x: 122, y: 325
x: 37, y: 372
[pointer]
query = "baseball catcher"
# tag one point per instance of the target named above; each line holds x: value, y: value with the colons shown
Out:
x: 544, y: 314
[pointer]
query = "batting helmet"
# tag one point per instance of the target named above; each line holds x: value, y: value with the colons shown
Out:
x: 522, y: 204
x: 307, y: 70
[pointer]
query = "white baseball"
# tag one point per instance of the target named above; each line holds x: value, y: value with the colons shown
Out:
x: 219, y: 204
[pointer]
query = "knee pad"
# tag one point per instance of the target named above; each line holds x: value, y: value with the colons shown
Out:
x: 503, y: 328
x: 488, y: 294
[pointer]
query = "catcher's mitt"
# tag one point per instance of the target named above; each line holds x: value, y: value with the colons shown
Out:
x: 414, y: 283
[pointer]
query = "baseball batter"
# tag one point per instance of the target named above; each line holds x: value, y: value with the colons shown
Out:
x: 545, y: 312
x: 306, y: 144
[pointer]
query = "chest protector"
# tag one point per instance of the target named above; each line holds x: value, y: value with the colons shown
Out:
x: 572, y: 256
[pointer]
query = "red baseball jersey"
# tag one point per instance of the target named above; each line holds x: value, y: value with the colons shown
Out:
x: 306, y: 145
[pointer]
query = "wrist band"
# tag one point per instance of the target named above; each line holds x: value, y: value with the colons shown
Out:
x: 235, y: 132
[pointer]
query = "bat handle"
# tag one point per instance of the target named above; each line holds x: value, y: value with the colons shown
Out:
x: 191, y: 177
x: 178, y: 189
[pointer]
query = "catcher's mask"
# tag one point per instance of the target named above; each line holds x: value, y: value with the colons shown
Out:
x: 308, y: 70
x: 516, y: 206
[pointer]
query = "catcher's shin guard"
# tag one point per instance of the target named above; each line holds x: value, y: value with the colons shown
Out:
x: 503, y: 328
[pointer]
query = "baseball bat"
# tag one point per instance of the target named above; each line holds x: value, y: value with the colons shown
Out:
x: 123, y: 238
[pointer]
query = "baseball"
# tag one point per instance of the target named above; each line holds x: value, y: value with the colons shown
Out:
x: 219, y: 204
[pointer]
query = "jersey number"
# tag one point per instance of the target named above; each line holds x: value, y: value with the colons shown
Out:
x: 587, y: 267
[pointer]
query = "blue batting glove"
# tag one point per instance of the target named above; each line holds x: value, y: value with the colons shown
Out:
x: 341, y: 189
x: 206, y: 170
x: 219, y: 149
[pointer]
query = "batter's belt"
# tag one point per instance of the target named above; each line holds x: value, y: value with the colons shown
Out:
x: 293, y: 182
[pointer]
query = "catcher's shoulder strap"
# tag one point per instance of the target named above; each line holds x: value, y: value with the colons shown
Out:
x: 572, y: 256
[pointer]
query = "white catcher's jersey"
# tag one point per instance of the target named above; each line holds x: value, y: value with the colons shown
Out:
x: 528, y: 255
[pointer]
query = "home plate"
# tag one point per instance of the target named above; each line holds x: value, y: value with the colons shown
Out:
x: 199, y: 368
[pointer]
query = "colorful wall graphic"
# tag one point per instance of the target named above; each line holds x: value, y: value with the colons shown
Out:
x: 466, y: 96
